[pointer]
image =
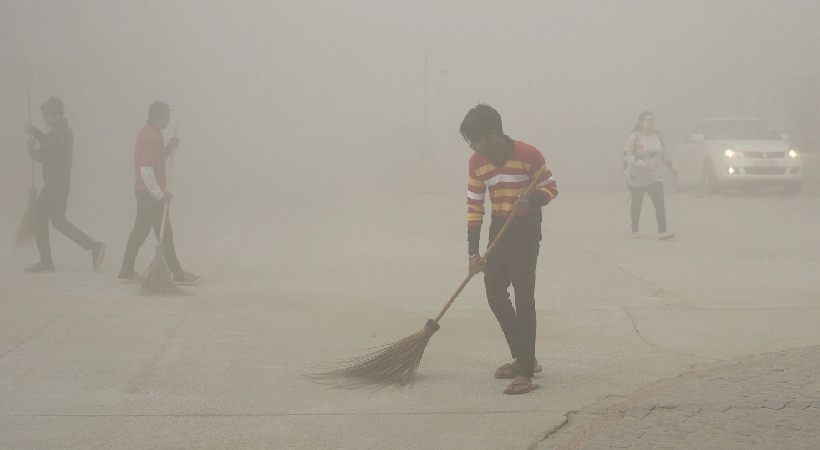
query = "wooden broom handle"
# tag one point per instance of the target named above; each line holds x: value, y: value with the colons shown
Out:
x: 162, y: 228
x: 28, y: 98
x: 498, y: 237
x: 176, y: 127
x: 168, y: 185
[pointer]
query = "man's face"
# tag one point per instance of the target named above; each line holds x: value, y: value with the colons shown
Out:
x: 164, y: 121
x: 51, y: 120
x: 485, y: 146
x: 481, y: 146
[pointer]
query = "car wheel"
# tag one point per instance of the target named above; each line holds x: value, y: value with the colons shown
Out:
x: 710, y: 181
x: 792, y: 188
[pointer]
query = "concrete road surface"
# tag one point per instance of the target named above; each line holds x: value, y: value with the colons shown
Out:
x: 86, y: 364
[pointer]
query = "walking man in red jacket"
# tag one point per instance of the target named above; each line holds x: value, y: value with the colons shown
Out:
x: 150, y: 153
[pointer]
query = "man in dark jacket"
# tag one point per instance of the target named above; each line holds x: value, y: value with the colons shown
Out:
x: 55, y: 152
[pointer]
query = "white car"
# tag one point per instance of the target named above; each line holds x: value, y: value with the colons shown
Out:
x: 718, y: 153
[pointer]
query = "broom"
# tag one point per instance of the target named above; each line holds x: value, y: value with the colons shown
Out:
x: 397, y: 363
x: 25, y: 234
x: 157, y: 279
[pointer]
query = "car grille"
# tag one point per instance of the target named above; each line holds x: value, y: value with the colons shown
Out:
x: 765, y: 170
x: 765, y: 155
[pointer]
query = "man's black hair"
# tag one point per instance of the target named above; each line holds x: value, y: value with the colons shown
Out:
x: 479, y: 121
x: 53, y: 107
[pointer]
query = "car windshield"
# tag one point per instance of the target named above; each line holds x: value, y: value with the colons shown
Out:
x: 743, y: 129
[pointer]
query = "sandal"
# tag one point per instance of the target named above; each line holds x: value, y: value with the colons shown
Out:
x: 521, y: 388
x: 506, y: 372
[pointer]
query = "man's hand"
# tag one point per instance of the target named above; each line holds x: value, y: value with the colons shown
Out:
x: 521, y: 203
x: 31, y: 144
x: 474, y: 266
x: 173, y: 144
x: 166, y: 197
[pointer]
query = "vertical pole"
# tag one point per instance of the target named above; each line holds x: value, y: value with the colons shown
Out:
x: 427, y: 137
x: 28, y: 98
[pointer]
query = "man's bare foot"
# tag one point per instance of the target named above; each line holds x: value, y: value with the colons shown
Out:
x: 521, y: 385
x: 510, y: 371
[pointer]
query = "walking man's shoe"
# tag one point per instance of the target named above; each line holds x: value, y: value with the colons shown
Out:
x: 636, y: 235
x: 186, y: 278
x: 97, y: 254
x: 41, y: 267
x: 129, y: 277
x: 665, y: 236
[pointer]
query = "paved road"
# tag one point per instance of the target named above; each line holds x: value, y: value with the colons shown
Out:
x: 86, y: 364
x: 765, y: 402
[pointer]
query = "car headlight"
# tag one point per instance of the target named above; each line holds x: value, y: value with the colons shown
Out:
x: 792, y: 154
x: 730, y: 153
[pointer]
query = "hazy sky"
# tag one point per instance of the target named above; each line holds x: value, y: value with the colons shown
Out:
x: 315, y: 82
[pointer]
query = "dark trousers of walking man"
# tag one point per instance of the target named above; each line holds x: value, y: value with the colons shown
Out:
x: 513, y: 263
x: 51, y: 206
x: 149, y: 216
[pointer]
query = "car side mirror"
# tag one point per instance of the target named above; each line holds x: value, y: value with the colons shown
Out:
x: 785, y: 136
x: 696, y: 138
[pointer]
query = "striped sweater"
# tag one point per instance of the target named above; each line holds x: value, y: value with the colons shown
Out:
x: 505, y: 184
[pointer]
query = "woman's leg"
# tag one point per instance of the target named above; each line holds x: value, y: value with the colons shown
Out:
x: 655, y: 191
x: 637, y: 202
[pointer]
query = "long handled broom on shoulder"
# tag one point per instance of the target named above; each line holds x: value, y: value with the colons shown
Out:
x: 157, y: 278
x: 397, y: 363
x: 25, y: 233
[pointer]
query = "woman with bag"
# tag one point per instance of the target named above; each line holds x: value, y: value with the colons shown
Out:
x: 643, y: 156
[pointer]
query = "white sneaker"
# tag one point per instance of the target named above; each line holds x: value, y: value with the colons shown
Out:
x: 636, y: 235
x: 666, y: 236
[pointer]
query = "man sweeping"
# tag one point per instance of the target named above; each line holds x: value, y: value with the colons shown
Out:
x: 505, y: 168
x: 150, y: 153
x: 55, y: 151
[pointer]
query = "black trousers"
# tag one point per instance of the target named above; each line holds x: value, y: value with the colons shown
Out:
x: 149, y: 215
x: 514, y: 263
x: 655, y: 191
x: 51, y: 205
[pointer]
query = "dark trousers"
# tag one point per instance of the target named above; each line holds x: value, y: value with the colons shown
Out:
x: 149, y: 215
x: 514, y: 263
x: 51, y: 205
x: 655, y: 191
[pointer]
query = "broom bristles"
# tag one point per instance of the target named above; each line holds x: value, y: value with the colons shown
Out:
x: 157, y: 278
x: 25, y: 234
x: 393, y: 364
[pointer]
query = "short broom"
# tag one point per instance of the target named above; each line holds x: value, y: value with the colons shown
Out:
x: 25, y: 233
x: 397, y: 363
x: 157, y: 279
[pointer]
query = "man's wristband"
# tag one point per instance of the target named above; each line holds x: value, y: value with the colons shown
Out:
x: 473, y: 256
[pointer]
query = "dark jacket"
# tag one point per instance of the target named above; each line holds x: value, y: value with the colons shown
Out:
x: 55, y: 152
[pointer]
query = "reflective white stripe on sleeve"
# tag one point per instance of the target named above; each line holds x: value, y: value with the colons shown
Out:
x: 474, y: 196
x: 546, y: 182
x: 151, y: 181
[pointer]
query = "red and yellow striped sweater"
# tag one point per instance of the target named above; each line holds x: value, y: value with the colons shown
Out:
x: 505, y: 183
